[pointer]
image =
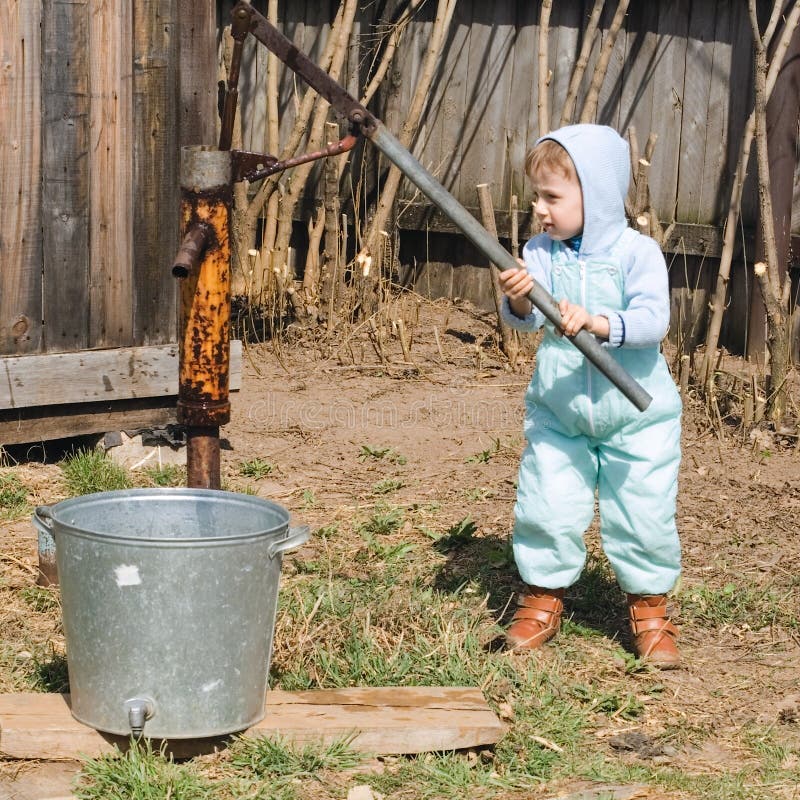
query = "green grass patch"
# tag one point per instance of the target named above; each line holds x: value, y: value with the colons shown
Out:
x: 450, y: 775
x: 383, y: 520
x: 90, y: 471
x: 164, y: 476
x: 371, y: 453
x: 387, y: 486
x: 736, y: 605
x: 266, y: 759
x: 13, y: 497
x: 49, y: 672
x: 141, y: 774
x: 457, y: 535
x: 624, y: 705
x: 28, y: 666
x: 41, y: 599
x: 256, y: 468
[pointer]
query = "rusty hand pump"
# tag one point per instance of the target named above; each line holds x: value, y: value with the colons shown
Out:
x: 245, y: 19
x: 203, y: 265
x: 203, y: 261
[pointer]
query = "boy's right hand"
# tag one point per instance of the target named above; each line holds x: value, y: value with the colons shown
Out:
x: 516, y: 284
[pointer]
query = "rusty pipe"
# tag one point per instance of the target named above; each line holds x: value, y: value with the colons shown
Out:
x: 203, y: 267
x: 203, y: 468
x: 256, y: 174
x: 239, y: 30
x: 191, y: 251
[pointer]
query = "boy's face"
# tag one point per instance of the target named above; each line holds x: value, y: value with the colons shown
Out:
x: 558, y: 204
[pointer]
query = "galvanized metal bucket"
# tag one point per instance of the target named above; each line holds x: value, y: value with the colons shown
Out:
x: 169, y: 600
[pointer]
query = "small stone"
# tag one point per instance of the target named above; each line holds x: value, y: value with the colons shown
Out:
x: 363, y: 792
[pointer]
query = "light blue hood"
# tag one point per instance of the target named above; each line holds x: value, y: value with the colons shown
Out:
x: 602, y: 160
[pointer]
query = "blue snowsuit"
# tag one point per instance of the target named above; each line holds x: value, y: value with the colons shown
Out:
x: 583, y: 436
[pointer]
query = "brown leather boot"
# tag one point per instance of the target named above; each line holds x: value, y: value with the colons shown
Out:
x: 654, y: 635
x: 537, y: 620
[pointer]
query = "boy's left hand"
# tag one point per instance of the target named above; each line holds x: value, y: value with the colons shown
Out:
x: 575, y: 317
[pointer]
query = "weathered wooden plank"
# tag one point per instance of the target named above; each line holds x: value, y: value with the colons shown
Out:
x: 488, y: 83
x: 696, y: 115
x: 253, y: 86
x: 734, y: 331
x: 156, y: 195
x: 691, y: 280
x: 20, y: 180
x: 197, y: 113
x: 381, y: 721
x: 404, y: 76
x: 712, y: 180
x: 668, y: 87
x: 566, y: 20
x: 96, y: 375
x: 473, y: 283
x: 110, y: 174
x: 609, y: 97
x: 641, y: 55
x: 308, y: 26
x: 740, y: 104
x: 43, y: 423
x: 521, y: 115
x: 433, y: 279
x: 291, y: 19
x: 445, y: 117
x: 65, y: 175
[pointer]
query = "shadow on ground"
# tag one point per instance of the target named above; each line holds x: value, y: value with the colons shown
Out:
x: 595, y: 601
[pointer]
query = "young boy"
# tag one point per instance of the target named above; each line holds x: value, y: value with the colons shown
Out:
x: 582, y: 434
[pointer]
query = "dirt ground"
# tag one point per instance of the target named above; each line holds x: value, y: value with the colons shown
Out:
x: 454, y: 413
x: 738, y: 501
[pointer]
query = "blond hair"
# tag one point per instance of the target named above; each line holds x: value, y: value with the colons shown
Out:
x: 549, y: 155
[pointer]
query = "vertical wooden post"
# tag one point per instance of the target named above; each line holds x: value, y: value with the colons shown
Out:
x: 65, y: 174
x: 20, y: 187
x: 110, y: 174
x: 197, y: 111
x: 155, y: 168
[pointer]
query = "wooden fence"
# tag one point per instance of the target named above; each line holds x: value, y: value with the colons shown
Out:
x: 95, y: 100
x: 680, y: 68
x: 97, y: 96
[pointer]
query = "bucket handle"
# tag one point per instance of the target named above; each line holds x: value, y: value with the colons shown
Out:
x: 43, y: 519
x: 294, y: 538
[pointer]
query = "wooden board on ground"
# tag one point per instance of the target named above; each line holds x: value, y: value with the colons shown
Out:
x: 387, y: 720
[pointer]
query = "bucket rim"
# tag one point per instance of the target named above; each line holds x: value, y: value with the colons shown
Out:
x: 56, y: 510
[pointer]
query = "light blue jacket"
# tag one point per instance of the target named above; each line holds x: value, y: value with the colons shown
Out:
x: 602, y: 162
x: 616, y: 272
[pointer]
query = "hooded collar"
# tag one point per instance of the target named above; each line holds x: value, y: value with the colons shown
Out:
x: 602, y: 161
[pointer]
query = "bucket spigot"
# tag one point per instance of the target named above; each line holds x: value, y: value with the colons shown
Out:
x: 139, y: 709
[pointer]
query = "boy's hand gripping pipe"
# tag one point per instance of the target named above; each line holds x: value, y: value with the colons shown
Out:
x: 247, y: 20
